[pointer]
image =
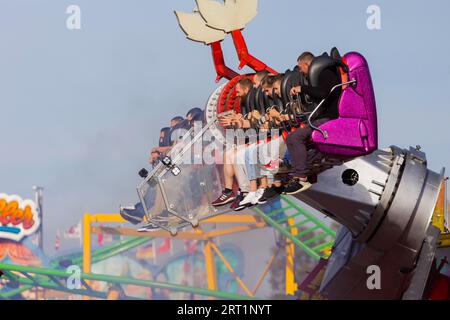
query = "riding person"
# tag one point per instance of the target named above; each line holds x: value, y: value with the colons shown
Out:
x: 259, y: 154
x: 164, y: 141
x: 167, y: 139
x: 273, y: 87
x: 232, y: 167
x: 195, y: 114
x: 259, y: 77
x: 135, y: 214
x: 296, y: 141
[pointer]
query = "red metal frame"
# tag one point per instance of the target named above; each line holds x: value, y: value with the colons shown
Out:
x: 227, y: 98
x: 245, y: 58
x: 219, y: 62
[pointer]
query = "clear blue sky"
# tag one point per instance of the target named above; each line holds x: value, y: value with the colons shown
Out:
x: 81, y: 109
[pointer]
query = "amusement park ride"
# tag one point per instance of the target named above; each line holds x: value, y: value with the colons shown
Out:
x: 385, y: 199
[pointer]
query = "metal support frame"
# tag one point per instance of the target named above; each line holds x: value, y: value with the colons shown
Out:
x: 446, y: 211
x: 247, y: 223
x: 318, y: 251
x: 54, y: 279
x: 438, y: 218
x: 441, y: 218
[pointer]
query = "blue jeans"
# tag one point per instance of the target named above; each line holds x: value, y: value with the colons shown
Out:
x: 273, y: 205
x: 251, y: 163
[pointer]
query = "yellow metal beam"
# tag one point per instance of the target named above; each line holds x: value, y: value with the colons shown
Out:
x: 107, y: 217
x: 252, y: 222
x: 237, y: 229
x: 266, y: 270
x: 87, y: 243
x: 230, y: 269
x: 87, y: 246
x: 444, y: 240
x: 291, y: 285
x: 438, y: 215
x: 223, y: 218
x: 154, y: 234
x: 211, y: 271
x: 233, y: 218
x: 256, y: 223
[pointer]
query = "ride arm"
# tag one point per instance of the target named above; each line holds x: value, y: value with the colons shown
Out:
x: 219, y: 62
x: 245, y: 58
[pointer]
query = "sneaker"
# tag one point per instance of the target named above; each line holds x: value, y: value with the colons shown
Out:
x: 296, y: 186
x: 236, y: 203
x: 224, y: 199
x: 250, y: 199
x: 131, y: 214
x: 271, y: 193
x: 273, y: 165
x: 149, y: 227
x: 259, y: 194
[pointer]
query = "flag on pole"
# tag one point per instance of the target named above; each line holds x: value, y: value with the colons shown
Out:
x: 164, y: 247
x: 58, y: 240
x: 190, y: 246
x: 100, y: 237
x: 74, y: 232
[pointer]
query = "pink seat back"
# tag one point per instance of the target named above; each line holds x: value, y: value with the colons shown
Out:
x: 355, y: 132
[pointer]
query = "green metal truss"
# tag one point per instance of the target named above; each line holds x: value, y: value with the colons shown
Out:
x: 25, y: 278
x: 311, y: 239
x: 313, y: 236
x: 105, y: 252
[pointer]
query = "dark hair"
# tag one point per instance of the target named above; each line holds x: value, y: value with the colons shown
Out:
x: 305, y: 56
x: 268, y: 81
x: 245, y: 83
x: 177, y: 118
x: 196, y: 114
x: 278, y: 77
x: 165, y: 141
x: 262, y: 74
x: 165, y: 130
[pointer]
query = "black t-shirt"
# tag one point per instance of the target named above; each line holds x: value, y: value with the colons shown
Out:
x: 327, y: 80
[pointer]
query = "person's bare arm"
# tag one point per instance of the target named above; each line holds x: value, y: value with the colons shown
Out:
x: 162, y: 149
x: 226, y: 121
x: 153, y: 157
x: 242, y: 122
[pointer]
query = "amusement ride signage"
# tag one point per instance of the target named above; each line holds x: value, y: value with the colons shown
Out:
x: 18, y: 218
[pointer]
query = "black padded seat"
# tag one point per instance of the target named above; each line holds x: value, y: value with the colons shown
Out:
x: 249, y: 102
x: 291, y: 79
x: 264, y: 101
x: 319, y: 64
x: 277, y: 101
x: 334, y: 53
x: 259, y: 100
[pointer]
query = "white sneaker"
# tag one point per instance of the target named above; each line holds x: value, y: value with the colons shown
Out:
x: 149, y: 227
x: 249, y: 199
x: 259, y: 194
